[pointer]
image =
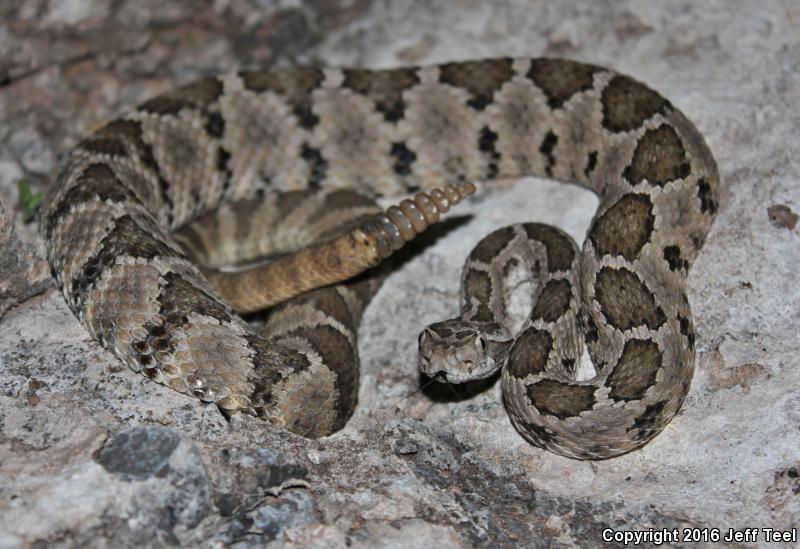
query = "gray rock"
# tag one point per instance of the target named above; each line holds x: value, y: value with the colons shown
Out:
x: 93, y: 455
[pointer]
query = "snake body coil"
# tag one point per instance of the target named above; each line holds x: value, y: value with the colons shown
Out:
x: 281, y: 147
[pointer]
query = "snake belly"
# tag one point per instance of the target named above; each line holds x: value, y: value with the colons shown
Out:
x: 109, y: 220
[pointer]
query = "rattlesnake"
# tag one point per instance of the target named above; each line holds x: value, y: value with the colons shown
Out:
x: 281, y: 140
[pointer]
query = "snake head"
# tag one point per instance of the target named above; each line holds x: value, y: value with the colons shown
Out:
x: 456, y: 350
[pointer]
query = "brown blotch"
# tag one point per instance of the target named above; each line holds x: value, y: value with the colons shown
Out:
x: 287, y: 202
x: 202, y: 92
x: 627, y: 104
x: 342, y: 199
x: 196, y: 95
x: 488, y: 248
x: 128, y: 237
x: 179, y: 298
x: 482, y: 314
x: 131, y: 131
x: 331, y: 303
x: 105, y: 145
x: 553, y: 301
x: 295, y: 86
x: 624, y: 228
x: 636, y: 370
x: 265, y: 376
x: 477, y: 288
x: 560, y: 79
x: 339, y: 356
x: 560, y: 252
x: 660, y: 157
x: 441, y: 329
x: 384, y: 88
x: 651, y: 422
x: 561, y: 400
x: 625, y: 301
x: 529, y: 353
x: 480, y: 78
x: 96, y: 181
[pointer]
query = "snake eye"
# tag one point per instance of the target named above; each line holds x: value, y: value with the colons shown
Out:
x: 480, y: 343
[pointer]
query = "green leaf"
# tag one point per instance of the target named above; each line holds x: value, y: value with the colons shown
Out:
x: 28, y: 201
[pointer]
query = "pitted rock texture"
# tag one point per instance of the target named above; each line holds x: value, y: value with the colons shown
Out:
x: 431, y: 467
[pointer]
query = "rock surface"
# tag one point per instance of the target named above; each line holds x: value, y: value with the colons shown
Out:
x: 92, y: 454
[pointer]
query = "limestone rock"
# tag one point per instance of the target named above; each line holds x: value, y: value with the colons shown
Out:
x: 92, y: 454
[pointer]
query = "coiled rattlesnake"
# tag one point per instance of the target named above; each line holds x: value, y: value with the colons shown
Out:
x: 241, y: 138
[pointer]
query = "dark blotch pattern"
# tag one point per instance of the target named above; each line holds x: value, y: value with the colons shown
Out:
x: 660, y: 157
x: 96, y: 182
x: 480, y: 78
x: 331, y: 303
x: 319, y: 166
x: 340, y: 357
x: 477, y: 291
x: 560, y: 252
x: 130, y: 131
x: 553, y: 302
x: 128, y: 238
x: 672, y: 254
x: 624, y: 228
x: 636, y: 370
x: 215, y: 125
x: 404, y: 159
x: 294, y: 86
x: 625, y: 300
x: 491, y: 245
x: 111, y: 146
x: 384, y: 88
x: 197, y: 95
x: 708, y: 204
x: 547, y: 147
x: 178, y: 298
x: 487, y: 143
x: 342, y: 199
x: 561, y: 400
x: 223, y: 165
x: 627, y: 104
x: 592, y: 334
x: 560, y: 79
x: 591, y: 164
x: 651, y: 421
x: 538, y: 434
x: 529, y: 353
x: 442, y: 329
x: 685, y: 326
x: 265, y: 376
